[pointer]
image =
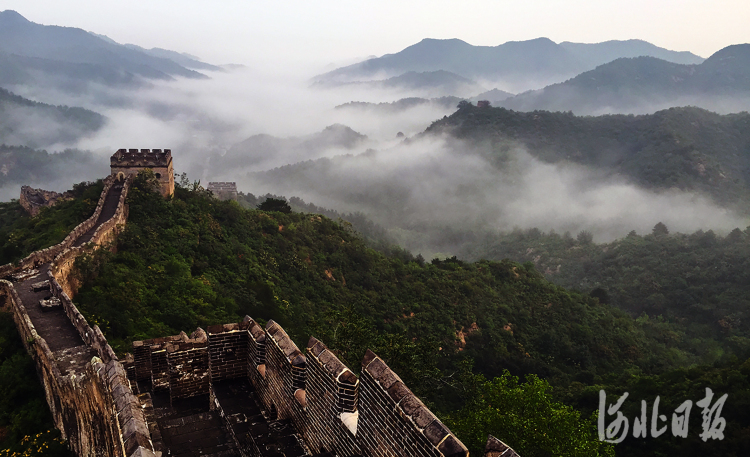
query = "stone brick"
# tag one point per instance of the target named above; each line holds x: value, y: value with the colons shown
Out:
x: 496, y: 448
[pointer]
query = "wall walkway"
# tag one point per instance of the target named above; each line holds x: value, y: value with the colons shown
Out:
x: 86, y: 387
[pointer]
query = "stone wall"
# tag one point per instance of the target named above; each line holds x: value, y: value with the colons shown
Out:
x: 228, y: 351
x: 82, y: 402
x: 177, y: 363
x: 93, y: 406
x: 43, y: 256
x: 63, y: 262
x: 127, y: 162
x: 391, y: 416
x: 333, y: 410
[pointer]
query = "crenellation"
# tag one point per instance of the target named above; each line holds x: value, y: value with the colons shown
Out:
x: 496, y: 448
x: 128, y: 162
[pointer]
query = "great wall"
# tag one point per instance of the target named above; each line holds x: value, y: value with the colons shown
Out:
x: 232, y: 390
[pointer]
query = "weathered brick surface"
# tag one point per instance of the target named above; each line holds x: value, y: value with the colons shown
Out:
x: 331, y: 390
x: 329, y: 406
x: 188, y: 370
x: 496, y: 448
x: 285, y: 374
x: 228, y: 351
x: 392, y: 421
x: 159, y: 369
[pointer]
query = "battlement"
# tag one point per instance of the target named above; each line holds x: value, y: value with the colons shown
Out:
x: 329, y: 408
x: 126, y: 162
x: 141, y: 158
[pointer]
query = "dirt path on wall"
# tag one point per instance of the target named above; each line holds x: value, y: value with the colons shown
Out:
x: 53, y: 325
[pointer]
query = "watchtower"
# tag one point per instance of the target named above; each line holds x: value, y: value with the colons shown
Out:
x: 126, y: 162
x: 223, y: 190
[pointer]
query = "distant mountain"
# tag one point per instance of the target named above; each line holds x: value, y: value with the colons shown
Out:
x: 34, y: 54
x: 28, y: 123
x: 185, y: 60
x: 689, y: 149
x: 594, y: 54
x: 54, y: 171
x: 427, y: 83
x: 521, y: 65
x: 646, y: 84
x: 493, y: 96
x: 266, y: 151
x: 403, y: 104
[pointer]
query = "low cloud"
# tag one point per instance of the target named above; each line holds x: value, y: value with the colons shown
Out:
x: 439, y: 182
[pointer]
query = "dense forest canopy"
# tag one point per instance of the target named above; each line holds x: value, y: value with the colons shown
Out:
x: 684, y: 148
x: 195, y: 261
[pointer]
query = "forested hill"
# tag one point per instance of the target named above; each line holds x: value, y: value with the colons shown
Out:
x: 34, y: 124
x: 684, y: 148
x: 448, y: 328
x: 195, y: 261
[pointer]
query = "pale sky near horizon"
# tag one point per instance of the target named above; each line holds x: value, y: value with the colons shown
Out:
x: 324, y: 31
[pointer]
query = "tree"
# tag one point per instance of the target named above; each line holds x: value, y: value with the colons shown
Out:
x: 464, y: 104
x: 585, y: 237
x: 601, y: 294
x: 525, y: 416
x: 275, y: 204
x: 660, y: 230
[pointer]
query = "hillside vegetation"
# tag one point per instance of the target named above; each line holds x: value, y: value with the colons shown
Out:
x: 194, y: 261
x: 33, y: 124
x: 21, y: 234
x: 683, y: 148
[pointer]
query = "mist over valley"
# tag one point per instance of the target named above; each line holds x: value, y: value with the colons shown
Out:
x: 364, y: 145
x: 516, y: 208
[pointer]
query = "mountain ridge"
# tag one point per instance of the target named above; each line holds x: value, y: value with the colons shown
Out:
x: 646, y: 84
x: 68, y: 56
x: 538, y: 59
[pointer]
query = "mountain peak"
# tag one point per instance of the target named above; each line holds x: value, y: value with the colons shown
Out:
x: 735, y: 50
x: 12, y: 17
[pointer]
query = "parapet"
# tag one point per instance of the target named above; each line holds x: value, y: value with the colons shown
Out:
x: 332, y: 409
x: 496, y: 448
x: 141, y: 158
x: 389, y: 410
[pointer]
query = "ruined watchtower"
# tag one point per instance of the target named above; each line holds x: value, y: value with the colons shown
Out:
x: 125, y: 162
x: 223, y: 190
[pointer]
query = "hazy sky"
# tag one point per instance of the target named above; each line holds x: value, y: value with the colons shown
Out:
x: 325, y: 31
